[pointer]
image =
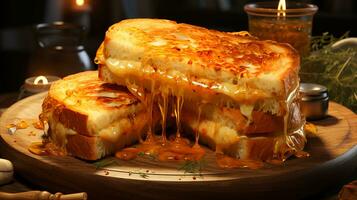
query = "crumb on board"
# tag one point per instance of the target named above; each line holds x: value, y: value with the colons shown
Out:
x: 38, y: 125
x: 310, y: 130
x: 31, y: 133
x: 15, y: 126
x: 22, y: 125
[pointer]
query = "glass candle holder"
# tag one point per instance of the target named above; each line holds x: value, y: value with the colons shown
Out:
x: 59, y: 50
x: 292, y: 25
x: 36, y: 84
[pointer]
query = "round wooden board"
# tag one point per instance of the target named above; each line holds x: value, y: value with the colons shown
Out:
x: 333, y: 159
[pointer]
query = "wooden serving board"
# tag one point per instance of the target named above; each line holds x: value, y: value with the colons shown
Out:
x: 333, y: 159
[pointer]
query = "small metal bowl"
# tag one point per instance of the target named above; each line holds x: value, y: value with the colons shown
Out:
x: 314, y: 100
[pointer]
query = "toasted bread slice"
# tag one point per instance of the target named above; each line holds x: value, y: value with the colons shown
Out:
x: 250, y: 86
x: 89, y: 118
x: 205, y: 64
x: 221, y: 130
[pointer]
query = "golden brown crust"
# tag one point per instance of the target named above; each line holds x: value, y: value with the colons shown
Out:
x: 90, y: 118
x: 83, y: 147
x: 261, y: 148
x: 100, y: 72
x: 70, y: 99
x: 69, y: 118
x: 259, y: 124
x: 210, y: 65
x: 291, y: 75
x: 264, y: 123
x: 212, y: 49
x: 86, y: 86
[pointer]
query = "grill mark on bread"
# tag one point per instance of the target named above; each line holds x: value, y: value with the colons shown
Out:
x: 217, y: 44
x: 68, y: 117
x: 212, y: 55
x: 79, y: 129
x: 88, y: 89
x: 104, y: 94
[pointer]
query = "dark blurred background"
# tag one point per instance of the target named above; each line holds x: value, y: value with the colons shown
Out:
x: 18, y: 43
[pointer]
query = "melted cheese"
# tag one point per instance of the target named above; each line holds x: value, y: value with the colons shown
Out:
x: 158, y: 42
x: 247, y: 111
x: 162, y: 94
x: 174, y: 79
x: 288, y: 102
x: 59, y: 133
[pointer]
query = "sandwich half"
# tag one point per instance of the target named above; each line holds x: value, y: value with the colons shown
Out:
x: 236, y: 92
x: 90, y: 119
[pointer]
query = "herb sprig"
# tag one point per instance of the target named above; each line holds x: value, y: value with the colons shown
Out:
x: 334, y: 68
x: 193, y: 166
x: 325, y: 40
x: 141, y: 174
x: 147, y: 155
x: 104, y: 163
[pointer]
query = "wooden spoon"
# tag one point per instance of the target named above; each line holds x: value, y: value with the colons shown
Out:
x: 42, y: 195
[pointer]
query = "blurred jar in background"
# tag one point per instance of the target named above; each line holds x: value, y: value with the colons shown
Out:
x: 59, y: 50
x: 291, y: 25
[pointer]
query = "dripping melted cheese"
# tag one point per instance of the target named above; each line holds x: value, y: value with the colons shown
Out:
x: 163, y: 148
x: 169, y: 103
x: 175, y: 149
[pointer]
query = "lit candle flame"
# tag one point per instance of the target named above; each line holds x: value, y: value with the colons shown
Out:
x: 43, y: 79
x: 79, y: 2
x: 281, y: 8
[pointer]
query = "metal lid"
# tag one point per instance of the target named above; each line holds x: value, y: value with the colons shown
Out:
x: 312, y: 91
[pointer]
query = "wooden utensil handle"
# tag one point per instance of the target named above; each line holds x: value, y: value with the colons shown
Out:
x: 42, y: 195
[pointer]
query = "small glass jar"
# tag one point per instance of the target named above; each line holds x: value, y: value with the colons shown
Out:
x: 314, y: 101
x: 59, y: 50
x: 291, y: 26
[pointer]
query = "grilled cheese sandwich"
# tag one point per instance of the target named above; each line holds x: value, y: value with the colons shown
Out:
x: 90, y: 119
x: 248, y: 86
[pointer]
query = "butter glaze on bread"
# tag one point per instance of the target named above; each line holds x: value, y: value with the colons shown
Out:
x: 245, y: 89
x: 89, y: 118
x: 213, y: 65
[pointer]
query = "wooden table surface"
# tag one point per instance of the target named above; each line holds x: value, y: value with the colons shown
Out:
x: 20, y: 185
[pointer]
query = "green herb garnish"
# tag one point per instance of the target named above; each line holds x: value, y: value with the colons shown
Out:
x: 325, y: 40
x: 143, y: 175
x: 147, y: 155
x: 194, y: 167
x: 104, y: 162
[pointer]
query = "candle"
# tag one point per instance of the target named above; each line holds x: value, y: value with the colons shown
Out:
x: 288, y: 23
x: 81, y: 5
x: 39, y: 84
x: 80, y: 12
